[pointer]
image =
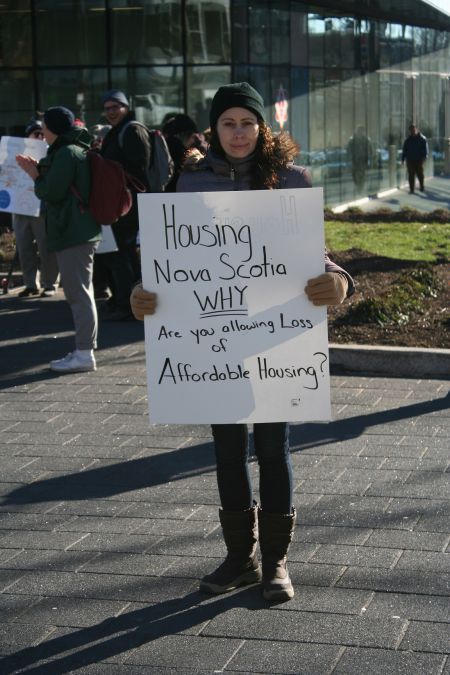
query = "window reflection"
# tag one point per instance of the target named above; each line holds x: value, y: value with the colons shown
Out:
x: 208, y: 31
x: 316, y: 33
x: 146, y: 32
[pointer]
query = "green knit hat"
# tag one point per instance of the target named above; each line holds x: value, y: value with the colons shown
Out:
x: 236, y: 95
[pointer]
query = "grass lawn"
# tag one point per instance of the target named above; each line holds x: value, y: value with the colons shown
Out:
x: 405, y: 241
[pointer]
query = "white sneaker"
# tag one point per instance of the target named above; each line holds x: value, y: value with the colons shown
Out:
x: 48, y: 293
x: 74, y: 363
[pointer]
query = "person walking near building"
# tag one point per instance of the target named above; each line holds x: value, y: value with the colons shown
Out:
x: 360, y: 155
x: 71, y: 232
x: 128, y: 143
x: 31, y: 242
x: 245, y: 155
x: 415, y: 152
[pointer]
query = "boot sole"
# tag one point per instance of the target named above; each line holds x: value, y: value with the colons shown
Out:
x: 253, y: 577
x: 278, y: 595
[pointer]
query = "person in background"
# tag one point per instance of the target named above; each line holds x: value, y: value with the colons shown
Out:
x: 128, y: 144
x: 181, y: 134
x: 415, y: 152
x: 246, y: 155
x: 31, y: 241
x: 71, y: 232
x: 360, y: 155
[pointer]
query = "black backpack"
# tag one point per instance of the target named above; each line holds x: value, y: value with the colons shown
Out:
x: 161, y: 167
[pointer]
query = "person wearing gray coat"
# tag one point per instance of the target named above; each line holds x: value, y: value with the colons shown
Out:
x: 245, y: 155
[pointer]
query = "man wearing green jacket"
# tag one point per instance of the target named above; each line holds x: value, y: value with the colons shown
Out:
x: 71, y: 232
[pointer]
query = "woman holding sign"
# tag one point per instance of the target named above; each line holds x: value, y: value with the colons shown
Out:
x: 245, y: 155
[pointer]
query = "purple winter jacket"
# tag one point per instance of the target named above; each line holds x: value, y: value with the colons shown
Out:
x: 215, y: 174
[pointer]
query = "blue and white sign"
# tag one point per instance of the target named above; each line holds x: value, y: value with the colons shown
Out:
x: 16, y: 187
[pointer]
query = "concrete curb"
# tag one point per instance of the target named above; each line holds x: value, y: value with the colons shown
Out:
x: 391, y: 361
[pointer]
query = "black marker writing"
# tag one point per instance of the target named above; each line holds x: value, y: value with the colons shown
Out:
x: 183, y: 235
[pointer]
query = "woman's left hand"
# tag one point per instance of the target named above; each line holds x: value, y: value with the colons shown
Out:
x: 29, y: 165
x: 329, y: 288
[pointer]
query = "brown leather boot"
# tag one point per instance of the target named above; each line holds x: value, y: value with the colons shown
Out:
x: 275, y: 535
x: 240, y: 531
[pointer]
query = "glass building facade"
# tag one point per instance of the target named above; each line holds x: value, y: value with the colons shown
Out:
x: 344, y: 78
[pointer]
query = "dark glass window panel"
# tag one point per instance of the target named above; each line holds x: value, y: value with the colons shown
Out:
x: 280, y: 32
x: 299, y: 117
x: 143, y: 31
x: 208, y: 31
x: 15, y: 34
x: 70, y: 32
x: 17, y: 104
x: 299, y: 35
x: 240, y: 31
x: 78, y: 89
x: 259, y: 28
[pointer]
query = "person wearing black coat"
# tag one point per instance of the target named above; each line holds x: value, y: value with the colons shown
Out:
x: 415, y: 152
x: 128, y: 143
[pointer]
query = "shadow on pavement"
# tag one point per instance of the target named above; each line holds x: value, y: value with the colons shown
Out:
x: 175, y: 465
x: 310, y: 435
x: 131, y: 475
x: 36, y: 332
x: 128, y: 631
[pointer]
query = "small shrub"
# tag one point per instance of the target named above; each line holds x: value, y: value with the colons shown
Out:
x: 406, y: 297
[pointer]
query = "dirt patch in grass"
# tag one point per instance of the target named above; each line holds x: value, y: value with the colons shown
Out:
x: 397, y: 302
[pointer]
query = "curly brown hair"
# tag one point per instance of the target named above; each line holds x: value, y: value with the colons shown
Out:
x: 273, y: 152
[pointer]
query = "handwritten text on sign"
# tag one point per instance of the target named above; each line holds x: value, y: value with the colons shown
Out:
x: 234, y: 338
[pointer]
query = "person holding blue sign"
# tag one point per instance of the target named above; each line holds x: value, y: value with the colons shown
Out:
x: 245, y: 154
x: 72, y: 233
x: 31, y: 242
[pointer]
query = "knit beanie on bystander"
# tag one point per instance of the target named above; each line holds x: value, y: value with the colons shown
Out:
x: 59, y: 120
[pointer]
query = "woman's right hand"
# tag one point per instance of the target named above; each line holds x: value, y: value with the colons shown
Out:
x: 142, y: 302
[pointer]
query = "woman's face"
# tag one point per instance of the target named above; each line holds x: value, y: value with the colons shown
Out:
x: 238, y: 131
x: 49, y: 136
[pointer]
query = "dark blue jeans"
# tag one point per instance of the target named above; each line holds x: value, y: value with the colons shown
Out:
x: 271, y: 443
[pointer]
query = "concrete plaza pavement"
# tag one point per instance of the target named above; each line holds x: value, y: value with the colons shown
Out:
x: 106, y: 524
x: 435, y: 196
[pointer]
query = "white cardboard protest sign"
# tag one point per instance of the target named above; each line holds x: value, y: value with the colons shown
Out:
x: 234, y: 338
x: 16, y: 187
